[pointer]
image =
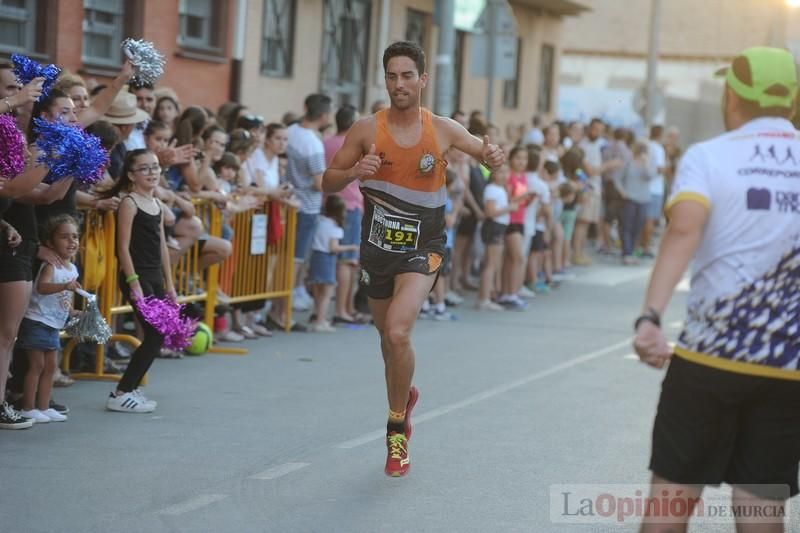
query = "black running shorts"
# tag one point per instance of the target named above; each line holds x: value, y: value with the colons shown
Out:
x: 715, y: 426
x: 377, y: 277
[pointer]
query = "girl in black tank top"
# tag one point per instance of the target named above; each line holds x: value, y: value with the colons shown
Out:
x: 144, y: 268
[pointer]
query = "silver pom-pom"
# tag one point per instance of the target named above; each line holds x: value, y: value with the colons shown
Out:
x: 89, y: 326
x: 148, y: 62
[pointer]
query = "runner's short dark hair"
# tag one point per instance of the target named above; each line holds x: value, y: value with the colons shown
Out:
x: 407, y: 49
x: 317, y: 105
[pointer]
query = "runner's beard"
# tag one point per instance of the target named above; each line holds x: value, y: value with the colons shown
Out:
x: 407, y: 101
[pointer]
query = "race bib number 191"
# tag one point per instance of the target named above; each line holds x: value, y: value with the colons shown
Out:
x: 393, y: 233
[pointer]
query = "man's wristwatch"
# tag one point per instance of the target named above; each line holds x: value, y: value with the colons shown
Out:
x: 651, y: 315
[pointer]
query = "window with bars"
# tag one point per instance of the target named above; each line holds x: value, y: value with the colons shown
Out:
x: 17, y: 25
x: 546, y: 68
x: 103, y: 22
x: 511, y: 87
x: 201, y: 24
x: 277, y: 44
x: 416, y: 27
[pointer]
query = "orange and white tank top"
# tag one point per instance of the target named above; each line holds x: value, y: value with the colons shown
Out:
x: 416, y: 174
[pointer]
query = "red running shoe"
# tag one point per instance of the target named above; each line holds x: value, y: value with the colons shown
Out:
x: 398, y: 462
x: 413, y: 396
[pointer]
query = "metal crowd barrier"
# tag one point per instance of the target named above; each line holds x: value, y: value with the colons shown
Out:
x: 255, y: 271
x: 258, y: 269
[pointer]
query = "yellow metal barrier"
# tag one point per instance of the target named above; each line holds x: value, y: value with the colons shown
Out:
x: 105, y: 223
x: 258, y: 270
x: 245, y: 276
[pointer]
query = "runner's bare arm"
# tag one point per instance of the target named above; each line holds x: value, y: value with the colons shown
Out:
x: 456, y: 136
x: 350, y: 163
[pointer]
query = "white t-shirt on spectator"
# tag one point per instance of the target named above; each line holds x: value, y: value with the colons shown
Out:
x: 533, y: 136
x: 326, y: 230
x: 542, y: 190
x: 306, y: 159
x: 499, y: 196
x: 658, y: 159
x: 593, y: 151
x: 135, y: 140
x: 258, y: 161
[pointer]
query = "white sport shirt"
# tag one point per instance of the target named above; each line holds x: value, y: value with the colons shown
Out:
x: 744, y: 302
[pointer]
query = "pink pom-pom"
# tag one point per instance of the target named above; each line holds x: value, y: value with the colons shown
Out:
x: 12, y: 148
x: 165, y: 316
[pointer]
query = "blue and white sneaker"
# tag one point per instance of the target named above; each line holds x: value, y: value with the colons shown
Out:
x: 128, y: 403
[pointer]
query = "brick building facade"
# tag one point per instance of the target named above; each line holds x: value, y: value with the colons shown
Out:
x: 83, y: 36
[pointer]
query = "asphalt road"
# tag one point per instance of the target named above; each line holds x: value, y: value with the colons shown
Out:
x: 290, y: 437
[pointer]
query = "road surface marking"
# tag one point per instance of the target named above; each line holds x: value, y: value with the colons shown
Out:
x: 489, y: 393
x: 280, y: 470
x: 631, y: 356
x: 192, y: 504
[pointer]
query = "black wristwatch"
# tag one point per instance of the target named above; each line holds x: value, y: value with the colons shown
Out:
x: 651, y: 315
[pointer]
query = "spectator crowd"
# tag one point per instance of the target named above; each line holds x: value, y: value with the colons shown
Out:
x: 568, y: 193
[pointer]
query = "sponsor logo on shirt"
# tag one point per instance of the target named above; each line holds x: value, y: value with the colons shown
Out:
x: 770, y: 154
x: 384, y: 162
x: 760, y: 199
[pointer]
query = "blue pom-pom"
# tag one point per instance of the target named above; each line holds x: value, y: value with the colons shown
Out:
x: 69, y: 151
x: 26, y: 69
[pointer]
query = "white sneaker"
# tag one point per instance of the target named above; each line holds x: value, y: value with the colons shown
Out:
x: 144, y: 399
x: 443, y: 316
x: 36, y: 415
x: 453, y: 298
x: 127, y: 403
x: 526, y: 293
x: 488, y: 305
x: 323, y: 327
x: 54, y: 415
x: 301, y: 301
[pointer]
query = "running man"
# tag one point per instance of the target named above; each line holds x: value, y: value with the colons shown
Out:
x: 398, y: 155
x: 730, y: 401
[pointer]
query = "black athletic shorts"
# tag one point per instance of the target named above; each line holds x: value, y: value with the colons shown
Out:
x: 377, y: 277
x: 467, y: 226
x: 515, y: 228
x: 492, y: 232
x: 16, y: 264
x: 538, y: 243
x: 715, y: 426
x: 613, y: 210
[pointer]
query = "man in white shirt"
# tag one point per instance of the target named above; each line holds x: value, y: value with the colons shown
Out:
x: 729, y: 410
x: 658, y: 163
x: 534, y: 135
x: 146, y: 101
x: 306, y: 164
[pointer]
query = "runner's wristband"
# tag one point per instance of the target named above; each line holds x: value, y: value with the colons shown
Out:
x: 651, y: 316
x: 130, y: 279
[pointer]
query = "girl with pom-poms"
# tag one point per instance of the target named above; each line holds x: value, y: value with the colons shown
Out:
x: 144, y: 268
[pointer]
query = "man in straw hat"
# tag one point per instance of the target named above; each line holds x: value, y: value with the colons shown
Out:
x: 124, y: 115
x: 730, y: 401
